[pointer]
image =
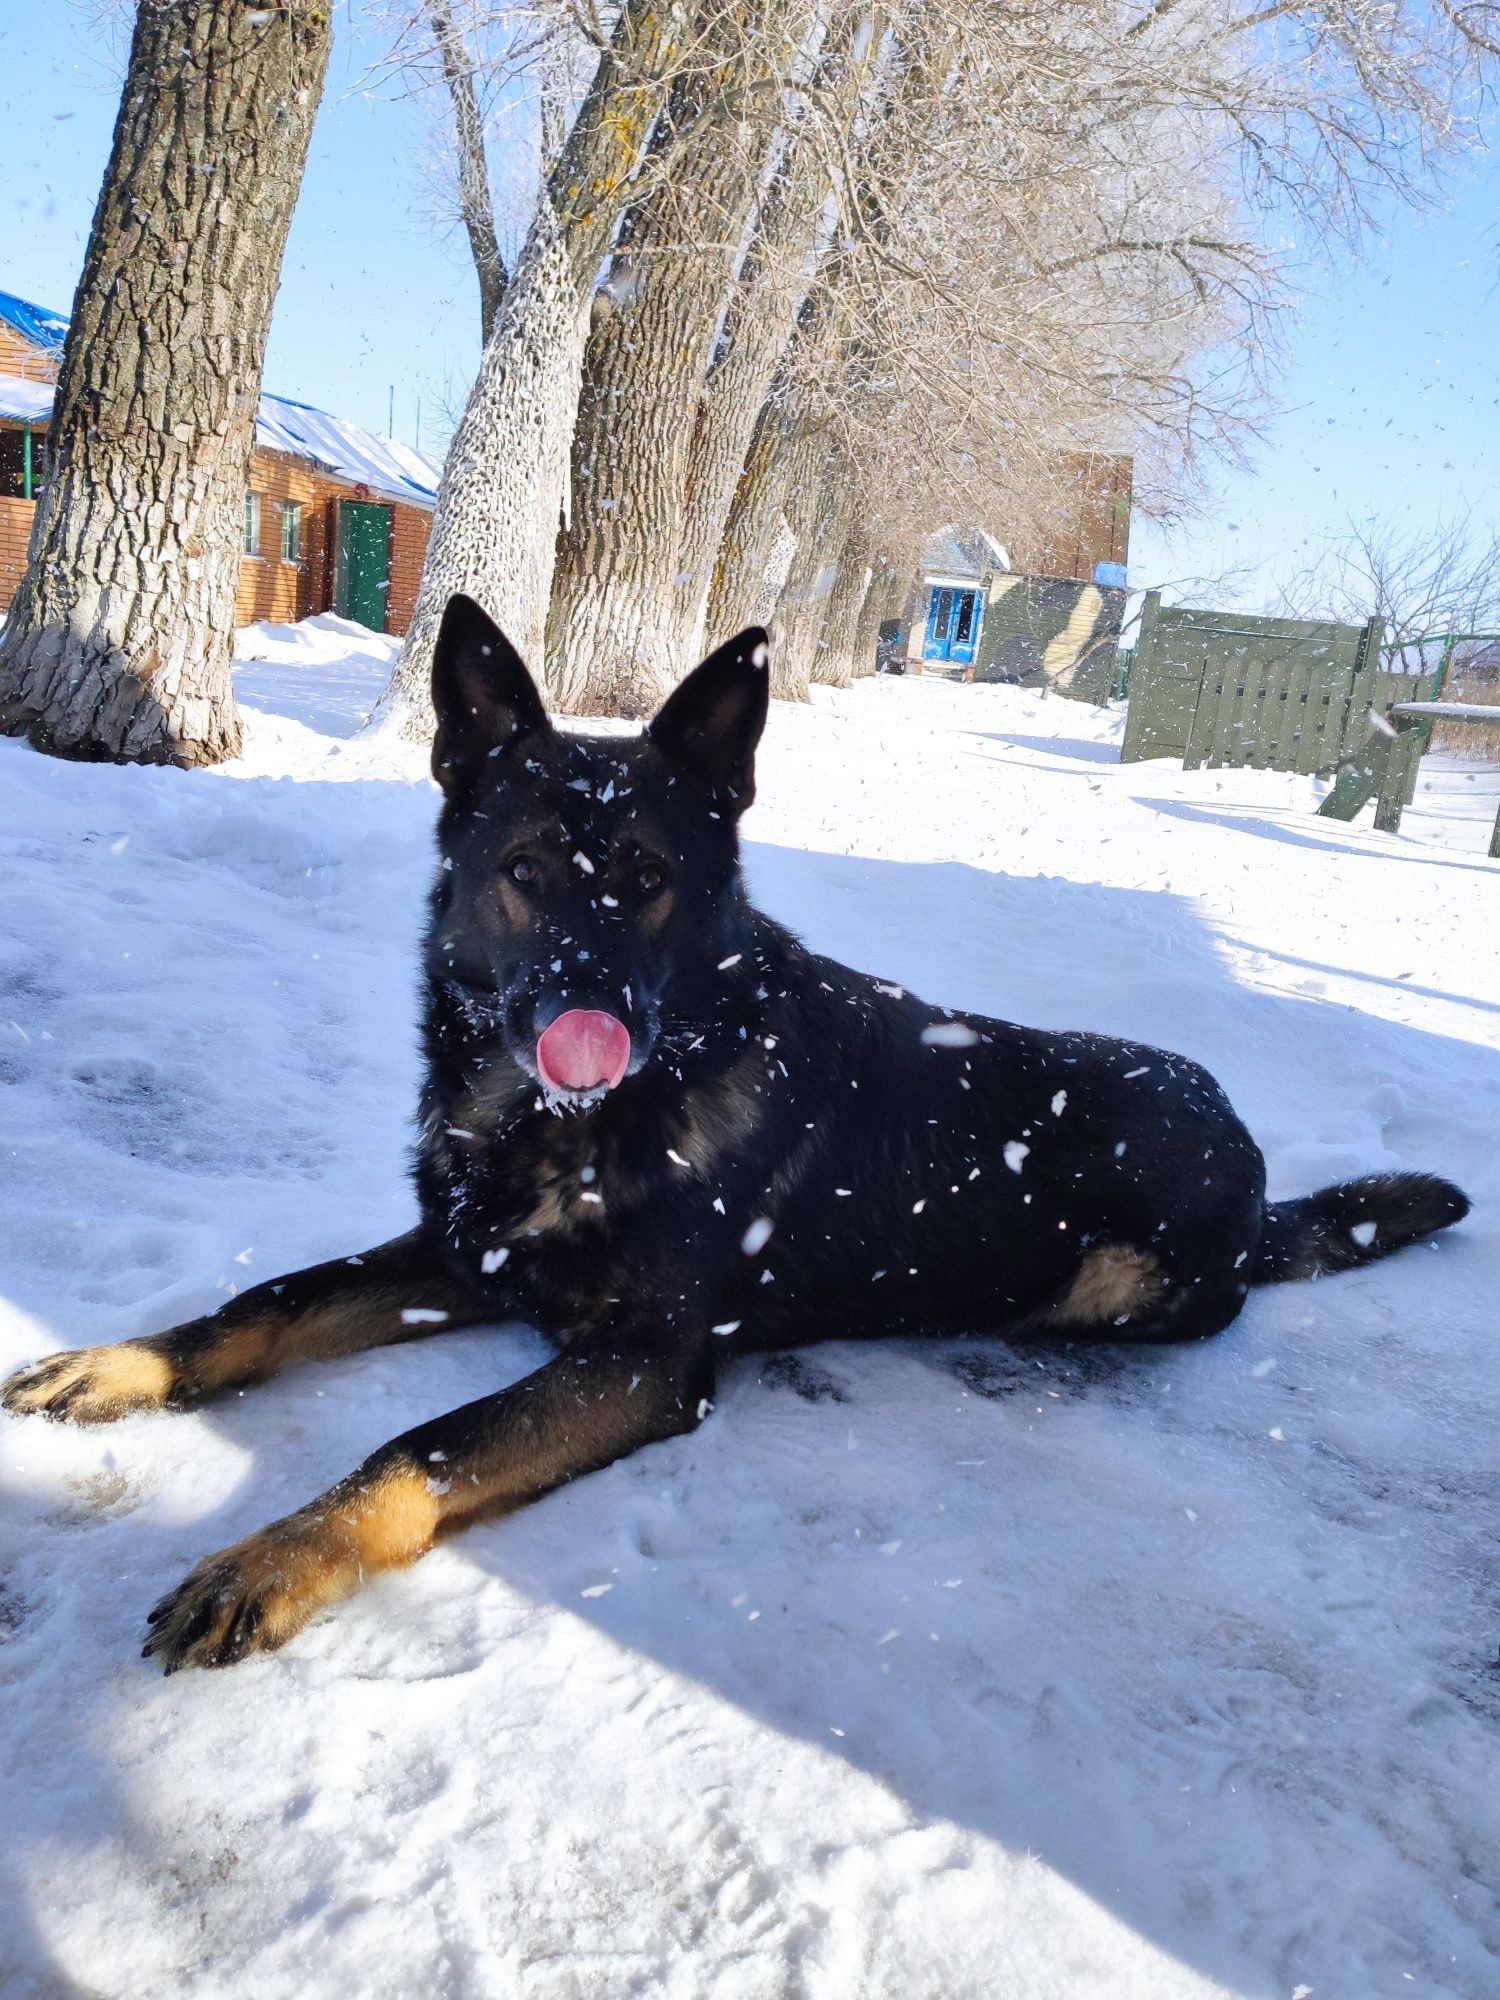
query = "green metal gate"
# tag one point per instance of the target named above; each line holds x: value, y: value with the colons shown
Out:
x: 1221, y: 687
x: 362, y: 562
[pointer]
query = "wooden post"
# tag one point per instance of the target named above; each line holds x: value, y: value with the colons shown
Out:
x: 1398, y: 777
x: 1130, y: 748
x: 1362, y: 776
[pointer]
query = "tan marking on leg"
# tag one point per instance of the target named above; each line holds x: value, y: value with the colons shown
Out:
x: 1112, y: 1283
x: 238, y: 1354
x: 92, y: 1385
x: 254, y: 1596
x: 395, y: 1521
x: 355, y: 1303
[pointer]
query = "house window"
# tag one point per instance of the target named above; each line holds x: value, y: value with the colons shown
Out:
x: 291, y: 531
x: 252, y: 524
x: 21, y: 474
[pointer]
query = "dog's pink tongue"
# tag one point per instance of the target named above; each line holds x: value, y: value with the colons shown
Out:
x: 583, y: 1049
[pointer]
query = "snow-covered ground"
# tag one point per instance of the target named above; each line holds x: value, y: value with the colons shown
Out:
x: 917, y: 1671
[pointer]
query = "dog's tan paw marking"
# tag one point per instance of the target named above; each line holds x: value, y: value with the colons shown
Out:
x: 250, y: 1598
x: 92, y: 1385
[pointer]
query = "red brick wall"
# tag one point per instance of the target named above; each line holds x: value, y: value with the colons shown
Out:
x: 15, y: 528
x: 268, y: 587
x: 410, y: 527
x: 1092, y: 522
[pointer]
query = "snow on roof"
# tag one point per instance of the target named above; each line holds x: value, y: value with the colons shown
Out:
x: 364, y: 458
x: 392, y: 470
x: 964, y: 552
x: 34, y: 323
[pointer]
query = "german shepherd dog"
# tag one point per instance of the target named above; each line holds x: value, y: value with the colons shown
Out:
x: 662, y: 1132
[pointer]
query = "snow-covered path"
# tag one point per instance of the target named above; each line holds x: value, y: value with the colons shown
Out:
x: 927, y: 1670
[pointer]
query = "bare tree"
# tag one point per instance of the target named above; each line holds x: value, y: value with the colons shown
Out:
x: 653, y: 326
x: 1425, y: 581
x: 475, y: 202
x: 911, y: 266
x: 495, y: 525
x: 118, y: 642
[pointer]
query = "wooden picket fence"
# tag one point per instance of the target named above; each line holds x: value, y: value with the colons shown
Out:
x: 1288, y: 694
x: 1280, y: 694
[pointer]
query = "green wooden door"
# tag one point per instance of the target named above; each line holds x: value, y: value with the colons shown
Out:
x: 362, y: 562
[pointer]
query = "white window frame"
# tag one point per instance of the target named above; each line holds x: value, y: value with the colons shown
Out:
x: 291, y: 531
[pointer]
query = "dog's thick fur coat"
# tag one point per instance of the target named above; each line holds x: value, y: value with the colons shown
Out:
x: 797, y: 1151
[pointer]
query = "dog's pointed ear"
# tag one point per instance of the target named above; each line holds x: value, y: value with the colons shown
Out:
x: 710, y: 724
x: 484, y: 697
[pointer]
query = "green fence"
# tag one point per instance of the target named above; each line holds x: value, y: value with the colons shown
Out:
x: 1280, y: 694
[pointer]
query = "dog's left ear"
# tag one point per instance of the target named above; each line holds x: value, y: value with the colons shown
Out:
x: 484, y: 697
x: 710, y: 725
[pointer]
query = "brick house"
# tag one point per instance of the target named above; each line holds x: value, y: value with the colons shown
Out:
x: 336, y: 518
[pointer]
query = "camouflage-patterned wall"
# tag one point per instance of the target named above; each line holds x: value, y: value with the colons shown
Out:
x: 1050, y: 628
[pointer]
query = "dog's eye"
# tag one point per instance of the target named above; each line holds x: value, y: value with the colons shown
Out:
x: 523, y: 869
x: 649, y: 879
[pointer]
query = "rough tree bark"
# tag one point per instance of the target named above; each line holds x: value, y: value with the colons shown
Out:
x: 757, y: 326
x: 883, y: 600
x: 494, y: 530
x: 822, y: 509
x: 654, y: 321
x: 764, y: 535
x: 833, y: 657
x: 117, y: 646
x: 475, y: 207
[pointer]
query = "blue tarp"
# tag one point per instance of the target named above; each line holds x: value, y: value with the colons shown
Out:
x: 34, y: 323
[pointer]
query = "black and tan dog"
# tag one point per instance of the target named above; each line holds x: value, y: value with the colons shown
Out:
x: 660, y: 1130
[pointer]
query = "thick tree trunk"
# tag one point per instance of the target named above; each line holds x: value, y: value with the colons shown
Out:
x: 494, y: 530
x: 820, y: 509
x: 118, y: 643
x: 761, y: 541
x: 882, y: 601
x: 475, y: 206
x: 833, y: 660
x: 757, y: 328
x: 613, y: 618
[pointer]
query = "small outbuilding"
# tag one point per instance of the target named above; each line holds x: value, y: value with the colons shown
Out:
x: 1053, y: 617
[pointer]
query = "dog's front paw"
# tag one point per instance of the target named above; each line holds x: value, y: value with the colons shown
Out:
x: 92, y: 1385
x: 253, y: 1597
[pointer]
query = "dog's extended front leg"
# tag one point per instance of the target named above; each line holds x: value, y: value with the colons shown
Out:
x: 593, y: 1404
x: 400, y: 1289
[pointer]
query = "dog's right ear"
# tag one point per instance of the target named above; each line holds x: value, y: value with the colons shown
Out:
x: 485, y: 699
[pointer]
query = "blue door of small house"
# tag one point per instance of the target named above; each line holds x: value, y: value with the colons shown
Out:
x: 953, y: 624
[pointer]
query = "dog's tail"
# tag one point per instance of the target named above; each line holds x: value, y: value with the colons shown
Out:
x: 1341, y: 1227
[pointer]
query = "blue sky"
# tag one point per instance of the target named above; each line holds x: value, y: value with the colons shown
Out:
x: 371, y: 295
x: 1389, y: 402
x: 1390, y: 396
